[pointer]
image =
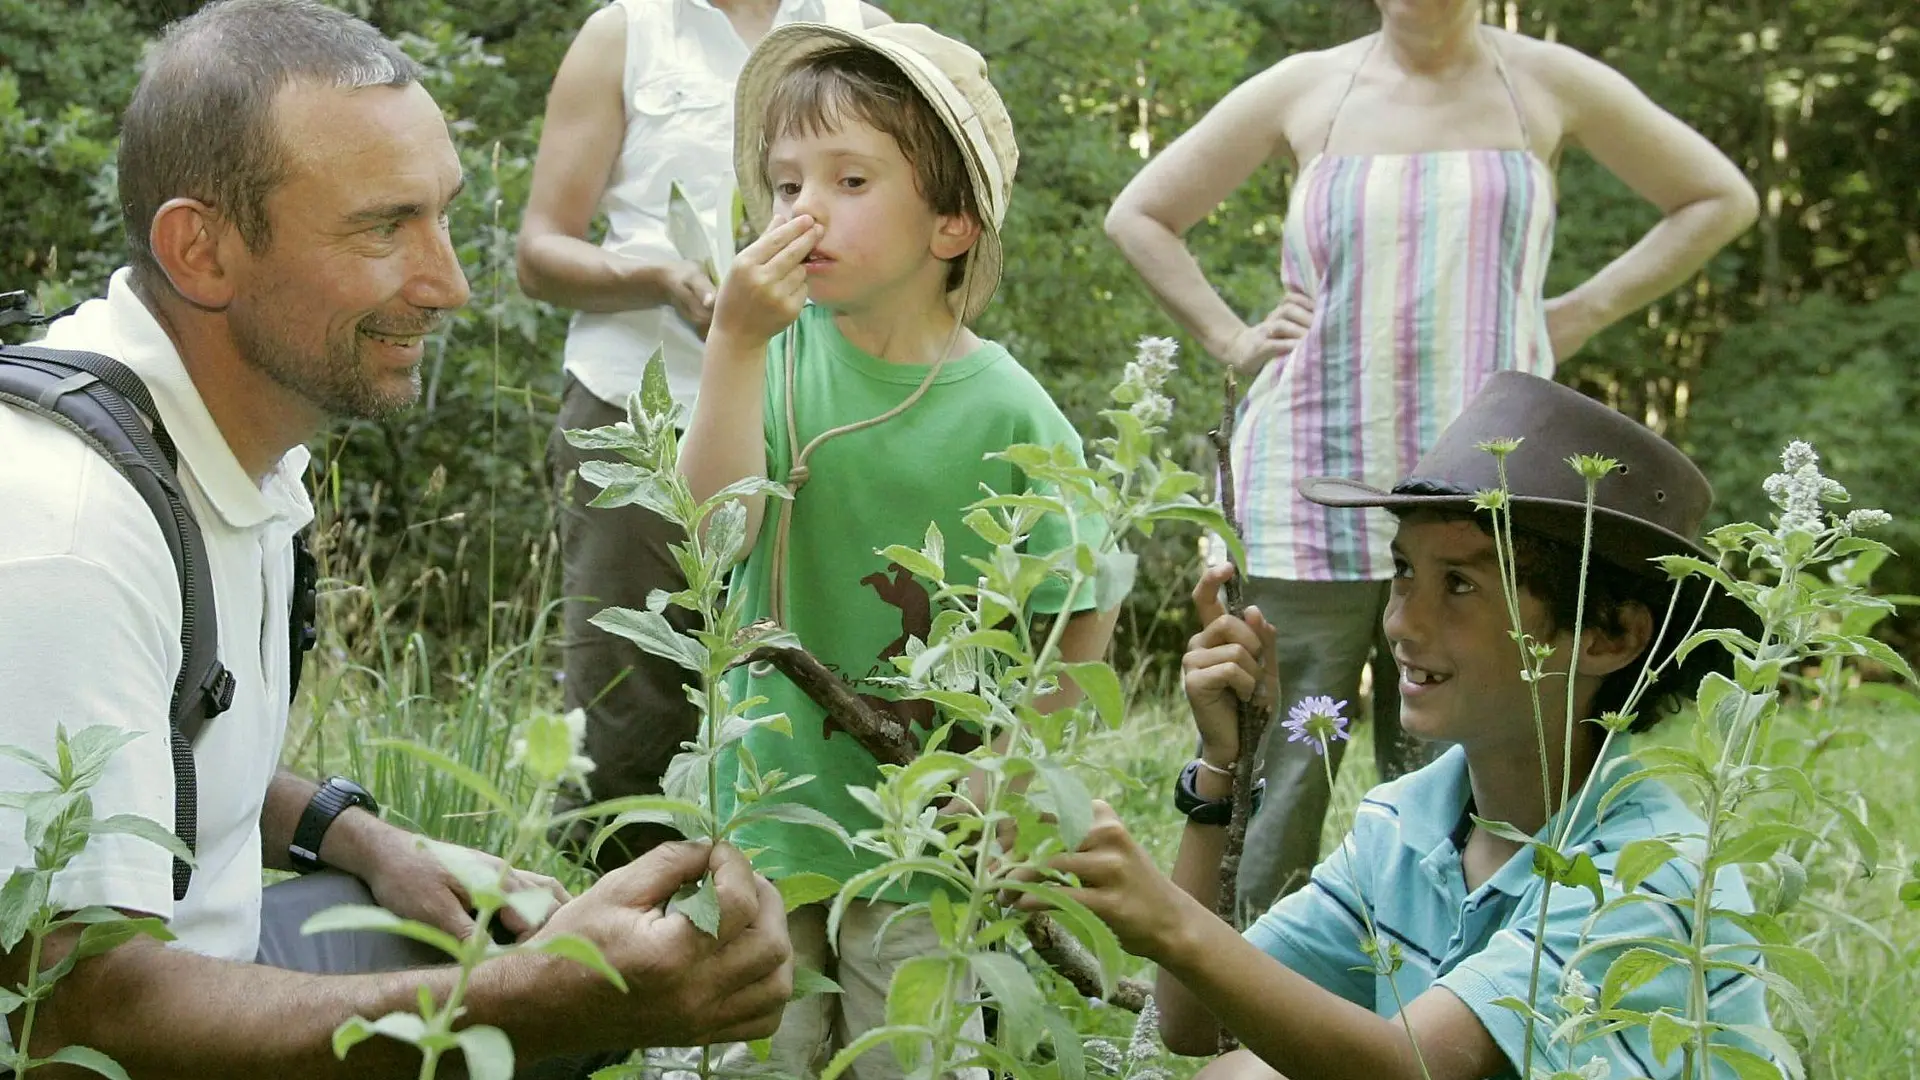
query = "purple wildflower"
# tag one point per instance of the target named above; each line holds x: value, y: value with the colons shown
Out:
x: 1316, y: 721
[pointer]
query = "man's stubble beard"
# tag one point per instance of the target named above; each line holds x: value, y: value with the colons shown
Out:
x: 338, y: 382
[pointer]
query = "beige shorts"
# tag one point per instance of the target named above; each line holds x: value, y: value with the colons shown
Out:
x: 817, y: 1027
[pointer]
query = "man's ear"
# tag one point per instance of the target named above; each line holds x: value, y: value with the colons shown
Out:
x: 954, y: 236
x: 1603, y: 653
x: 194, y: 245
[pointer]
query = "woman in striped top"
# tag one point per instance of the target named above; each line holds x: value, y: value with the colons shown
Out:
x: 1412, y: 266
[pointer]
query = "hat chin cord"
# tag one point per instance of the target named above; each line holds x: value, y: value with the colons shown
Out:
x: 798, y: 472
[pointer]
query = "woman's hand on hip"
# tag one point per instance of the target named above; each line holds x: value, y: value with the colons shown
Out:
x: 1271, y: 338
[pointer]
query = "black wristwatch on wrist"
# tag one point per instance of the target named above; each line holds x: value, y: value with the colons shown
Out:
x: 1202, y: 811
x: 328, y: 803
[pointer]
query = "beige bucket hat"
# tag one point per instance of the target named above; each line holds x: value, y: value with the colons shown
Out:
x: 950, y: 75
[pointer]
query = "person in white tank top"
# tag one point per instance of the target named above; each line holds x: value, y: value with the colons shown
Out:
x: 642, y: 102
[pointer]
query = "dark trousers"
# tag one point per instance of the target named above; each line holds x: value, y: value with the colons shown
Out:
x: 284, y: 907
x: 1327, y: 632
x: 636, y: 704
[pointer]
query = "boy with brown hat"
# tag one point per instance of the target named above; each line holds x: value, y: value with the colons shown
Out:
x: 1457, y: 903
x: 883, y: 161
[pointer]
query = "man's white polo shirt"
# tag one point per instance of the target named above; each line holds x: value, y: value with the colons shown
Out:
x: 90, y: 634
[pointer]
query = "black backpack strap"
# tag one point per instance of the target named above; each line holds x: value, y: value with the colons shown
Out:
x: 302, y: 619
x: 108, y: 407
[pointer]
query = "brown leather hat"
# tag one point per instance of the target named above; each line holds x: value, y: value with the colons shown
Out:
x: 1652, y: 505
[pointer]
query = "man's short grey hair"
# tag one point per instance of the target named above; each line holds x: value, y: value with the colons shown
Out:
x: 201, y: 123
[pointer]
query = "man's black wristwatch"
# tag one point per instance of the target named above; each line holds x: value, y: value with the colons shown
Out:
x: 1187, y: 800
x: 334, y: 796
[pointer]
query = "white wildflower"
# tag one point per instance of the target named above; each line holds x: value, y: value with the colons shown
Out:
x: 1596, y: 1068
x: 1104, y: 1054
x: 1145, y: 1046
x: 1152, y: 410
x: 1867, y: 519
x: 1800, y: 491
x: 1156, y: 359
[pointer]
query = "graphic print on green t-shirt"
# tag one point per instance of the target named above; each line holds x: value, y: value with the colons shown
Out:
x: 867, y: 490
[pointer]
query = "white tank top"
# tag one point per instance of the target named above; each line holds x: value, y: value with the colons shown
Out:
x: 683, y: 58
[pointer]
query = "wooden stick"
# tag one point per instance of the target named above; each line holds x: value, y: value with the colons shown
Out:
x: 889, y: 741
x: 1253, y: 716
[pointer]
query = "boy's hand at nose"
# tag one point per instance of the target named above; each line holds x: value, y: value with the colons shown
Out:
x: 767, y: 284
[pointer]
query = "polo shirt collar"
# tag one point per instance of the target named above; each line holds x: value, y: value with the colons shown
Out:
x: 1434, y: 798
x: 1517, y: 875
x: 139, y: 342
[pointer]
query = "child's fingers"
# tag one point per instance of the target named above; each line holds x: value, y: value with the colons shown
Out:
x: 776, y: 238
x: 787, y: 260
x: 1206, y: 593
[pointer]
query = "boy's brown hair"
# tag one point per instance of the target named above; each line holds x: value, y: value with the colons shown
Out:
x: 829, y: 89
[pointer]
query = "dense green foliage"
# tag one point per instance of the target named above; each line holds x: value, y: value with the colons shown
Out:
x: 1803, y: 328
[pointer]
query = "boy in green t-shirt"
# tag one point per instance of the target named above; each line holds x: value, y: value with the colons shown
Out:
x: 884, y: 161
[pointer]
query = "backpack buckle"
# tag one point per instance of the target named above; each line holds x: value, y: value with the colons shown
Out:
x: 219, y: 689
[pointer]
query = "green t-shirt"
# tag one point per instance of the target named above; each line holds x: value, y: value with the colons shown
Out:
x: 867, y: 490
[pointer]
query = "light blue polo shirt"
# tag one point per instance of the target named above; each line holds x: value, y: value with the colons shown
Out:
x: 1402, y: 858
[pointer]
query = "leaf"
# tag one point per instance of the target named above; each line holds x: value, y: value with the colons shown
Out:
x: 1018, y: 996
x: 402, y: 1026
x: 1640, y: 859
x: 86, y: 1057
x: 654, y: 807
x: 919, y: 987
x: 688, y: 236
x: 792, y: 813
x: 1747, y: 1065
x: 368, y: 917
x: 1863, y: 838
x: 807, y: 982
x: 583, y: 952
x: 1773, y: 1043
x: 745, y: 488
x: 91, y: 747
x: 914, y: 563
x: 1102, y: 687
x: 39, y: 763
x: 1582, y: 873
x: 1068, y: 1051
x: 1071, y: 803
x: 799, y: 890
x: 701, y: 905
x: 464, y: 775
x: 488, y: 1051
x: 1630, y: 971
x: 532, y: 905
x: 1668, y: 1033
x: 1757, y: 844
x: 20, y: 900
x: 1113, y: 579
x: 868, y: 1041
x: 656, y: 397
x: 653, y: 634
x: 144, y: 828
x: 726, y: 533
x: 1502, y: 830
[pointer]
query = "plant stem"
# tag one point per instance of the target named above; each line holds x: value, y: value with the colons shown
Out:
x: 1383, y: 962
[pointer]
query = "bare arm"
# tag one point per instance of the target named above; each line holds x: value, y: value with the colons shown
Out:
x: 765, y: 289
x: 578, y: 147
x: 1181, y: 186
x: 1703, y: 198
x: 166, y: 1013
x: 1084, y: 638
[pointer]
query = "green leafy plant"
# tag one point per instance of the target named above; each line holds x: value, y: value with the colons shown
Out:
x: 59, y: 822
x: 716, y: 532
x: 1805, y: 580
x: 547, y: 748
x: 982, y: 825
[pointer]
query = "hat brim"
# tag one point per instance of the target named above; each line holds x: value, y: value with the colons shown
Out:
x: 1622, y: 540
x: 786, y: 47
